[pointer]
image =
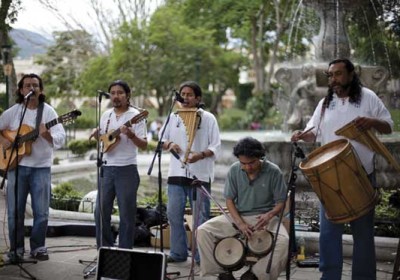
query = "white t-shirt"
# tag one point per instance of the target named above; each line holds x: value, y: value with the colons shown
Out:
x: 125, y: 151
x: 207, y: 137
x: 341, y: 112
x: 42, y: 150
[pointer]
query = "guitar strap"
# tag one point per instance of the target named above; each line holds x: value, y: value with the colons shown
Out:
x: 38, y: 119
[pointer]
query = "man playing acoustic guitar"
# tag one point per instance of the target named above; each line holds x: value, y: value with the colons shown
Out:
x: 121, y: 133
x: 35, y: 159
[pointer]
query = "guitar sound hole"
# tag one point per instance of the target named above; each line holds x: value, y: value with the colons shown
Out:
x: 110, y: 138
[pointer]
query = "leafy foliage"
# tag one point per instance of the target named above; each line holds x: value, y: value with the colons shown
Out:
x: 65, y: 61
x: 80, y: 147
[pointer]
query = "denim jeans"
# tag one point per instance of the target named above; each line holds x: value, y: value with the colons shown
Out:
x: 331, y: 251
x: 121, y: 182
x: 177, y: 199
x: 37, y: 183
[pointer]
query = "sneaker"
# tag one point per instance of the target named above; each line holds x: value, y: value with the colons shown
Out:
x: 226, y: 276
x: 40, y: 256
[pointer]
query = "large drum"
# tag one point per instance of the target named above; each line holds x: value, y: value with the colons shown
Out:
x: 340, y: 182
x: 230, y: 253
x: 260, y: 243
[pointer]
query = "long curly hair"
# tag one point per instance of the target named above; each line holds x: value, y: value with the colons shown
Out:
x: 19, y: 97
x: 355, y: 84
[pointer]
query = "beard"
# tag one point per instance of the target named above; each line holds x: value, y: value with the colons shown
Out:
x: 339, y: 88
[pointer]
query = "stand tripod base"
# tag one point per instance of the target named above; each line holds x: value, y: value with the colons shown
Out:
x: 18, y: 262
x: 90, y: 269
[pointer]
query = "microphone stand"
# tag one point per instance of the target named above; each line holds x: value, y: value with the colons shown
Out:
x: 16, y: 260
x: 298, y: 153
x: 158, y: 152
x: 99, y: 163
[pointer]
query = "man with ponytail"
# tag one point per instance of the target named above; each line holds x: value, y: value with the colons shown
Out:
x: 347, y: 100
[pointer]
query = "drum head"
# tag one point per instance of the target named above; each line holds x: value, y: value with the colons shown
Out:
x: 229, y: 252
x: 324, y: 154
x: 260, y: 242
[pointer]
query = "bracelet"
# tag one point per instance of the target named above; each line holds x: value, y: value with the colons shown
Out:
x: 169, y: 144
x: 133, y: 136
x: 203, y: 154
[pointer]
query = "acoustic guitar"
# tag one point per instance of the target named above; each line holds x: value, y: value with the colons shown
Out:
x: 111, y: 138
x: 26, y: 137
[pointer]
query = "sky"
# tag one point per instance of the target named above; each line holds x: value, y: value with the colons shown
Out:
x: 35, y: 17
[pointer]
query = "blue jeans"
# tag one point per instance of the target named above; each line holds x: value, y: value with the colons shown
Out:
x: 121, y: 182
x: 37, y: 183
x: 177, y: 198
x: 331, y: 252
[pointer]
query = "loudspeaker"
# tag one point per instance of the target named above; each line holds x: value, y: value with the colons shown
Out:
x: 118, y: 264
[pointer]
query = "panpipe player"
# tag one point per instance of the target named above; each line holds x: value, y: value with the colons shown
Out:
x: 346, y: 100
x: 193, y: 134
x: 255, y: 193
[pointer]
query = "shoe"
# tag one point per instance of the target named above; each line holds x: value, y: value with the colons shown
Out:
x: 14, y: 258
x: 172, y: 260
x: 226, y: 276
x: 40, y: 256
x: 248, y: 275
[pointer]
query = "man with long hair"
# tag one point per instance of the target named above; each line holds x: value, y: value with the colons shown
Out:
x: 120, y: 178
x: 201, y: 158
x: 347, y: 100
x: 34, y: 175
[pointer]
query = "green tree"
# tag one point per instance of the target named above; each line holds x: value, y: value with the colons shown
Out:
x: 8, y: 14
x: 65, y: 60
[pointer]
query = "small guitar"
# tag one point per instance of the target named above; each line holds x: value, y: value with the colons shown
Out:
x: 26, y: 137
x: 111, y: 138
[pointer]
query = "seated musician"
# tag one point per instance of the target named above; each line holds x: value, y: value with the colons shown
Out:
x: 255, y: 194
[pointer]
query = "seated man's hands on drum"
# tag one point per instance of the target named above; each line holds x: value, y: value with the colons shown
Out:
x: 246, y: 229
x: 263, y: 220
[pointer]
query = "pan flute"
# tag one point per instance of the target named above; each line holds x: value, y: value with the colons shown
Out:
x: 191, y: 120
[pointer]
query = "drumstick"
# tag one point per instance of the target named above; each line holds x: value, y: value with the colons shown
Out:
x: 304, y: 132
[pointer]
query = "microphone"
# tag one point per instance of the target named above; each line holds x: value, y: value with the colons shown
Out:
x: 103, y: 93
x: 298, y: 151
x: 32, y: 92
x: 178, y: 97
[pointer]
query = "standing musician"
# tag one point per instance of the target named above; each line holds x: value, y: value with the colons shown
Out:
x: 34, y: 174
x: 347, y: 100
x: 255, y: 194
x: 203, y: 152
x: 120, y: 177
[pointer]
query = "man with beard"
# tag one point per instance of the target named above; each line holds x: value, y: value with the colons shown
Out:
x: 201, y: 159
x: 120, y: 177
x: 347, y: 100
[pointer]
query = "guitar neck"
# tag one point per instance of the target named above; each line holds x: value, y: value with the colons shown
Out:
x: 35, y: 133
x: 117, y: 132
